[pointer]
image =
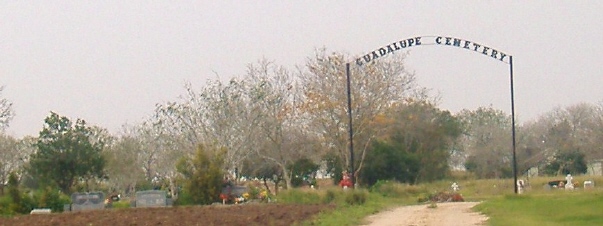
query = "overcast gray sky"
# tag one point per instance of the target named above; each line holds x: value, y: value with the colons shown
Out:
x: 110, y: 62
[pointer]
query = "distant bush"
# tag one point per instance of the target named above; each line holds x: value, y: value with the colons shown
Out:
x: 5, y: 202
x: 120, y: 204
x: 302, y: 171
x: 142, y: 185
x: 20, y: 202
x: 329, y: 197
x: 385, y: 188
x: 184, y: 198
x: 254, y: 192
x: 356, y: 197
x: 202, y: 176
x: 51, y: 198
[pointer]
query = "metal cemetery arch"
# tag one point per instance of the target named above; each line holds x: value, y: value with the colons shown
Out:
x: 433, y: 40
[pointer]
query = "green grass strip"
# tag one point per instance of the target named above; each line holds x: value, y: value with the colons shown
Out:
x: 558, y: 207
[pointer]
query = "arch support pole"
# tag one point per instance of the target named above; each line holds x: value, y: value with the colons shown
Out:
x: 351, y: 129
x: 513, y: 124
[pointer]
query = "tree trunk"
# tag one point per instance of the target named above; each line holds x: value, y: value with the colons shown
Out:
x: 173, y: 190
x: 357, y: 171
x: 286, y: 176
x: 266, y: 185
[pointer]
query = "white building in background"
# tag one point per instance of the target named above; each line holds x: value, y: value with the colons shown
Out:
x: 595, y: 168
x: 533, y: 172
x: 322, y: 171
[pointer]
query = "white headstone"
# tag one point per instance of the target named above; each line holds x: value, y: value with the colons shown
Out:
x: 455, y: 186
x: 569, y: 184
x: 40, y: 211
x: 589, y: 184
x: 520, y: 186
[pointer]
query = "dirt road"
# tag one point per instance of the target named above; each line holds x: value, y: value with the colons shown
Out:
x: 445, y: 214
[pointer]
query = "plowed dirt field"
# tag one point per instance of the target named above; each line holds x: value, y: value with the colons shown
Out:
x: 248, y: 214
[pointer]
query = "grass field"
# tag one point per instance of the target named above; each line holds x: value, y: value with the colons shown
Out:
x: 542, y: 206
x: 558, y: 207
x: 536, y: 206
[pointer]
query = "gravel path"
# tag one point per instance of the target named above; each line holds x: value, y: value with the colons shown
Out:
x: 445, y: 214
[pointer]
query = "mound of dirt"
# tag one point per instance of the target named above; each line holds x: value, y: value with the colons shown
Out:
x: 248, y: 214
x: 447, y: 197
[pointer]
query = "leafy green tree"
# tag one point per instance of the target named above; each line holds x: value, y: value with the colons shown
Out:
x: 203, y: 176
x: 302, y: 170
x: 566, y: 162
x: 390, y: 162
x: 416, y: 147
x: 67, y: 153
x: 334, y: 166
x: 263, y: 170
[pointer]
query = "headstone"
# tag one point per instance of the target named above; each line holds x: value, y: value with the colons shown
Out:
x: 87, y: 201
x: 533, y: 172
x: 66, y: 207
x: 40, y: 211
x: 520, y: 186
x: 569, y: 185
x: 151, y: 198
x: 588, y: 184
x: 455, y: 187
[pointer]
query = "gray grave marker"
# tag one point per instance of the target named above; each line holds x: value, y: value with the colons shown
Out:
x: 151, y: 198
x: 87, y: 201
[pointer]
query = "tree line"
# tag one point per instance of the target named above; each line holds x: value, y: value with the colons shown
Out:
x: 286, y: 126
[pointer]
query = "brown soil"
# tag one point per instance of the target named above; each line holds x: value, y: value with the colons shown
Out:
x: 440, y: 214
x: 248, y: 214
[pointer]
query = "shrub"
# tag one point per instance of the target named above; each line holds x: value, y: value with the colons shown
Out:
x: 329, y: 197
x: 302, y: 171
x: 254, y: 192
x: 184, y: 198
x: 51, y: 198
x: 20, y: 203
x: 120, y: 204
x: 356, y: 197
x: 385, y: 188
x: 5, y: 202
x: 142, y: 185
x: 203, y: 176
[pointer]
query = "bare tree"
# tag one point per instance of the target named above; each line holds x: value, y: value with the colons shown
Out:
x: 219, y: 115
x: 6, y: 111
x: 374, y: 87
x: 486, y: 142
x: 9, y: 159
x: 281, y: 131
x: 123, y: 166
x: 572, y: 128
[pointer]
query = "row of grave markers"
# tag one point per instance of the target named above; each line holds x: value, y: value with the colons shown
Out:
x: 96, y: 200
